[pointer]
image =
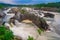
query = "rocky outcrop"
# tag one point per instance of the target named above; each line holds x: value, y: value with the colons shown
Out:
x: 22, y: 29
x: 39, y: 22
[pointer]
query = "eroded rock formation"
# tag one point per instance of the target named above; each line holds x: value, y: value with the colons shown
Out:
x: 38, y: 21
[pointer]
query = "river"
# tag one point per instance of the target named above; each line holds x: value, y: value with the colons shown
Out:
x: 24, y: 30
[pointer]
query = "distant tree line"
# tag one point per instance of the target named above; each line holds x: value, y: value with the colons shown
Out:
x: 57, y: 5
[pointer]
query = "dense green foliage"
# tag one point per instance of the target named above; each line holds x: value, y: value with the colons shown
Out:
x: 5, y: 34
x: 57, y: 4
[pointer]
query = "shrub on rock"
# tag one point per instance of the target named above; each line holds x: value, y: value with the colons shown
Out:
x: 5, y: 34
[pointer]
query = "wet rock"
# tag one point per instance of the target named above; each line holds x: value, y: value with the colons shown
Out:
x: 17, y: 38
x: 49, y: 15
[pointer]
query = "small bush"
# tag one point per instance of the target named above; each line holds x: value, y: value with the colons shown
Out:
x: 40, y: 31
x: 30, y: 38
x: 23, y: 11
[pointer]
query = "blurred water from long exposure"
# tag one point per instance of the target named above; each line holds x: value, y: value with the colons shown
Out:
x: 55, y: 33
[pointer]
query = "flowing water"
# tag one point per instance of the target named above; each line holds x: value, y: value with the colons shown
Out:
x: 55, y: 33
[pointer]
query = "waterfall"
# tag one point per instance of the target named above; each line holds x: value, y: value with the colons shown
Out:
x: 7, y: 16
